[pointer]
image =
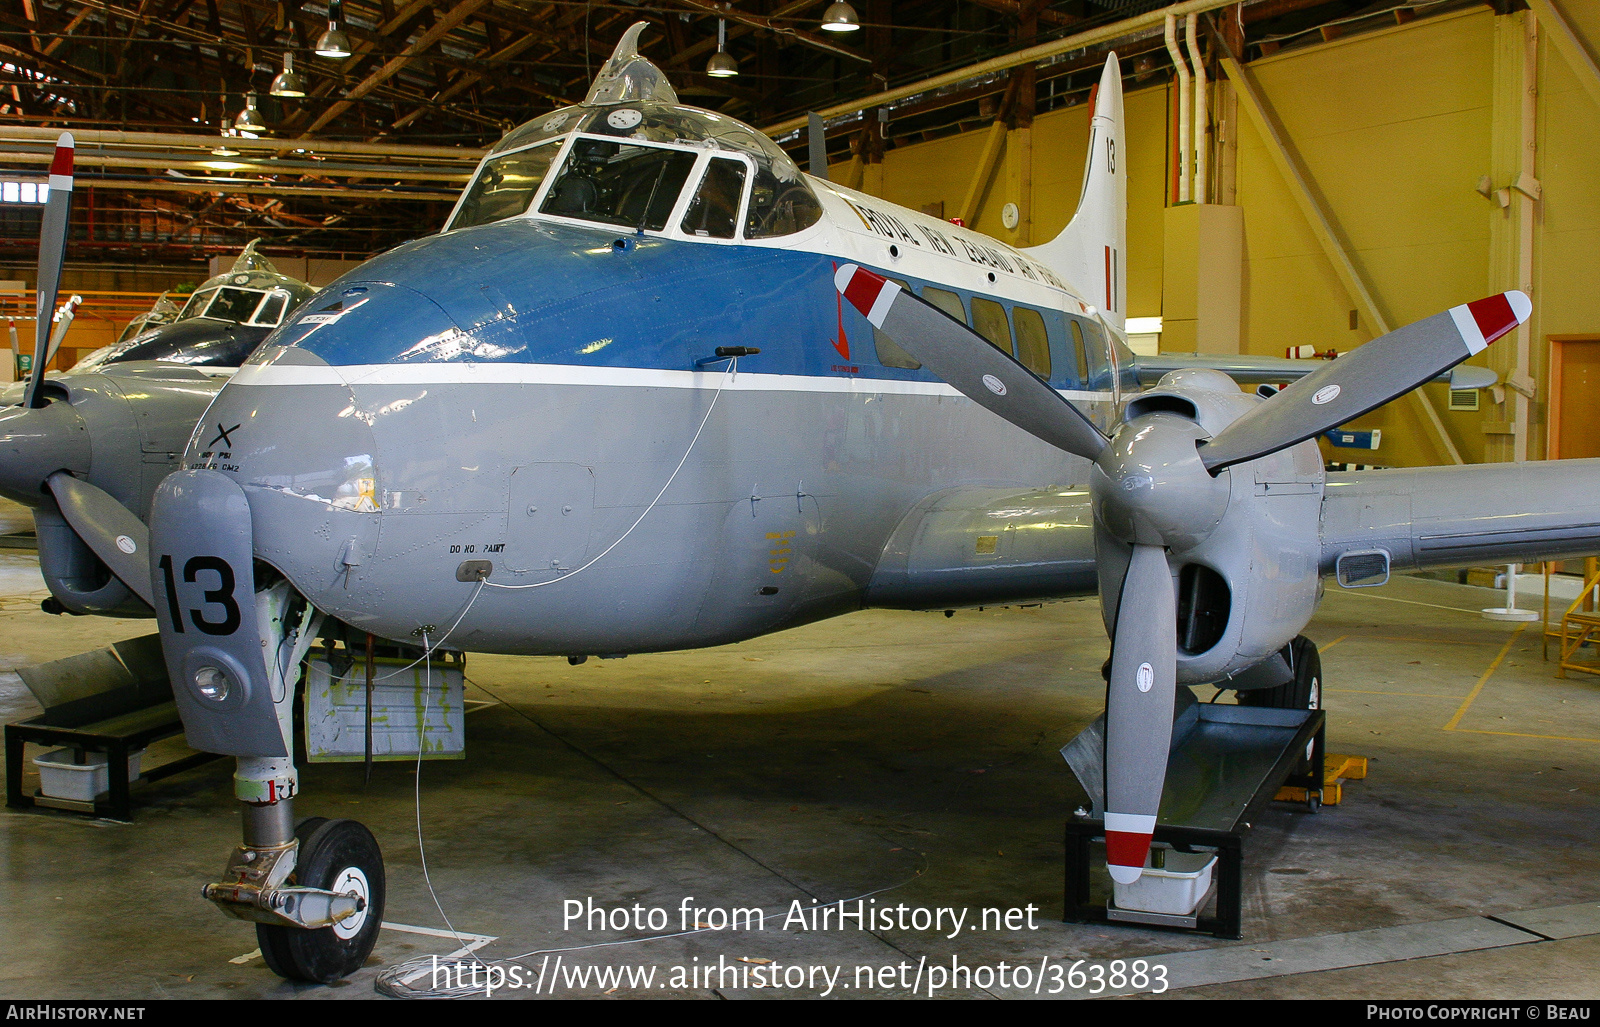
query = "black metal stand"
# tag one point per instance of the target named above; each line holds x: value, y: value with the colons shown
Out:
x: 116, y: 737
x: 1262, y: 750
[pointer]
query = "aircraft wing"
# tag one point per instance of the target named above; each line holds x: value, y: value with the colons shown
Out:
x: 1248, y: 369
x: 975, y: 546
x: 1453, y: 516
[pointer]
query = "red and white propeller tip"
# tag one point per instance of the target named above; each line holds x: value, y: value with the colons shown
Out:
x: 870, y: 293
x: 1483, y: 321
x: 61, y: 164
x: 1127, y: 844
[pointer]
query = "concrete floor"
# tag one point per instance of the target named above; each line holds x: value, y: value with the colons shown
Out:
x: 908, y: 757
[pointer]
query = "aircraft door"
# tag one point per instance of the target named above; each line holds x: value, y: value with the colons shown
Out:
x: 550, y: 516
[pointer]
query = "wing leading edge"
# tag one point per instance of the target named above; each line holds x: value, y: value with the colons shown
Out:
x: 1248, y: 369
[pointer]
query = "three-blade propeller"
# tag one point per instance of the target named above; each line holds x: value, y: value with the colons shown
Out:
x: 1144, y: 653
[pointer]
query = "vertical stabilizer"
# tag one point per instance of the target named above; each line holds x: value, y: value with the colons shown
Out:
x: 1091, y: 252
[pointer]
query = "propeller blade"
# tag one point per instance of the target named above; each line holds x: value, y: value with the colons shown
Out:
x: 1366, y: 378
x: 64, y: 318
x: 966, y: 360
x: 52, y: 252
x: 1139, y: 703
x: 118, y: 538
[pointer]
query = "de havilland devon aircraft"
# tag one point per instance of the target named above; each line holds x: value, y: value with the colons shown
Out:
x: 219, y: 326
x: 119, y: 419
x: 653, y: 388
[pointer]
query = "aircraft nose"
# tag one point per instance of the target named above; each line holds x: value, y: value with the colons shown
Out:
x: 37, y: 442
x: 296, y: 439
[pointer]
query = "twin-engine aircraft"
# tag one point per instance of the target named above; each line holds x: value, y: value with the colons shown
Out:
x: 219, y: 326
x: 653, y: 388
x: 118, y: 421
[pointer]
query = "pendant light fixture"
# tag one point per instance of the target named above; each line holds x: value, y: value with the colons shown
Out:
x: 288, y: 81
x: 840, y: 17
x: 334, y: 43
x: 250, y: 124
x: 722, y: 64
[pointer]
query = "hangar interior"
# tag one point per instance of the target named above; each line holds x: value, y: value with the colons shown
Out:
x: 1369, y: 164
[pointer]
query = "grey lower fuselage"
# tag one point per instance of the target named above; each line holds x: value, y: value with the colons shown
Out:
x: 781, y: 512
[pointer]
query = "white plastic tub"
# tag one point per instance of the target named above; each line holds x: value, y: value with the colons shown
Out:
x: 61, y: 778
x: 1177, y: 889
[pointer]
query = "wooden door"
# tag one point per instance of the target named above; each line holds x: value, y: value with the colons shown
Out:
x: 1574, y: 396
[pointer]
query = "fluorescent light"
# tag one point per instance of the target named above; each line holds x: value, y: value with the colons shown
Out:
x: 1143, y: 326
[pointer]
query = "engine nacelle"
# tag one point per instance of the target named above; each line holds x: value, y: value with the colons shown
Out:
x: 1249, y: 584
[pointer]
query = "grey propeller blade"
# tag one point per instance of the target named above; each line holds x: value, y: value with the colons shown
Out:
x: 967, y: 361
x: 117, y: 537
x: 1139, y: 701
x: 1366, y: 378
x: 52, y: 251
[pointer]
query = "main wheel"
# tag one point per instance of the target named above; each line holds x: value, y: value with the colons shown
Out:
x: 340, y: 855
x: 1304, y: 692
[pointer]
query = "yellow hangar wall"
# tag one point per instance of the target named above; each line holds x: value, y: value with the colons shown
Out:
x: 1396, y: 129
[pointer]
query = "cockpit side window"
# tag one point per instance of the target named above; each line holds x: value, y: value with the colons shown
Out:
x: 778, y: 207
x: 714, y: 211
x: 504, y: 186
x: 619, y: 183
x: 197, y: 304
x: 270, y: 313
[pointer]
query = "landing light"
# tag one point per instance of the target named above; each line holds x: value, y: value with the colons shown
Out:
x: 211, y: 683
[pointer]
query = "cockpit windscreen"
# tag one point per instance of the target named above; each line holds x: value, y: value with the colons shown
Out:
x: 505, y: 186
x: 242, y: 306
x: 619, y: 183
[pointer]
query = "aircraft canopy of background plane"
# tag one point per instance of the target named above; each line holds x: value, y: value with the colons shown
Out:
x: 221, y: 324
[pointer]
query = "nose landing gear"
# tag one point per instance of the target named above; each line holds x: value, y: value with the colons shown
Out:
x: 316, y: 893
x: 341, y: 857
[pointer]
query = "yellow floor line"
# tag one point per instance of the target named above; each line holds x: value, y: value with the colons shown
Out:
x: 1414, y: 695
x: 1484, y: 680
x: 1330, y: 645
x: 1523, y: 734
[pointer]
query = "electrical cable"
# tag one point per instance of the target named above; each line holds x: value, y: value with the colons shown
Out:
x: 392, y: 981
x: 728, y: 375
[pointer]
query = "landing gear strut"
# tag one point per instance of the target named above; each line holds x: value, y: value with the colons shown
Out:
x: 315, y: 891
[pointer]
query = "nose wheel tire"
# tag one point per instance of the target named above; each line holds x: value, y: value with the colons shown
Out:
x: 340, y: 855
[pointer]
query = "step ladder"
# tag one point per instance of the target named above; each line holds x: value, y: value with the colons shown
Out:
x: 1579, y: 625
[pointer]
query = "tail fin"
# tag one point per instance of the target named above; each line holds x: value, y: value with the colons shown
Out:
x: 1091, y: 252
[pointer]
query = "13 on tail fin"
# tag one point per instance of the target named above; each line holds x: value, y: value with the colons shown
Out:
x: 1090, y: 253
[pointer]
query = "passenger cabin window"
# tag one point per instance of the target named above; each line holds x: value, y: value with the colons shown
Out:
x: 714, y: 211
x: 1093, y: 363
x: 989, y: 321
x: 889, y: 352
x: 619, y: 183
x: 778, y: 207
x: 946, y: 301
x: 505, y: 186
x: 1033, y: 342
